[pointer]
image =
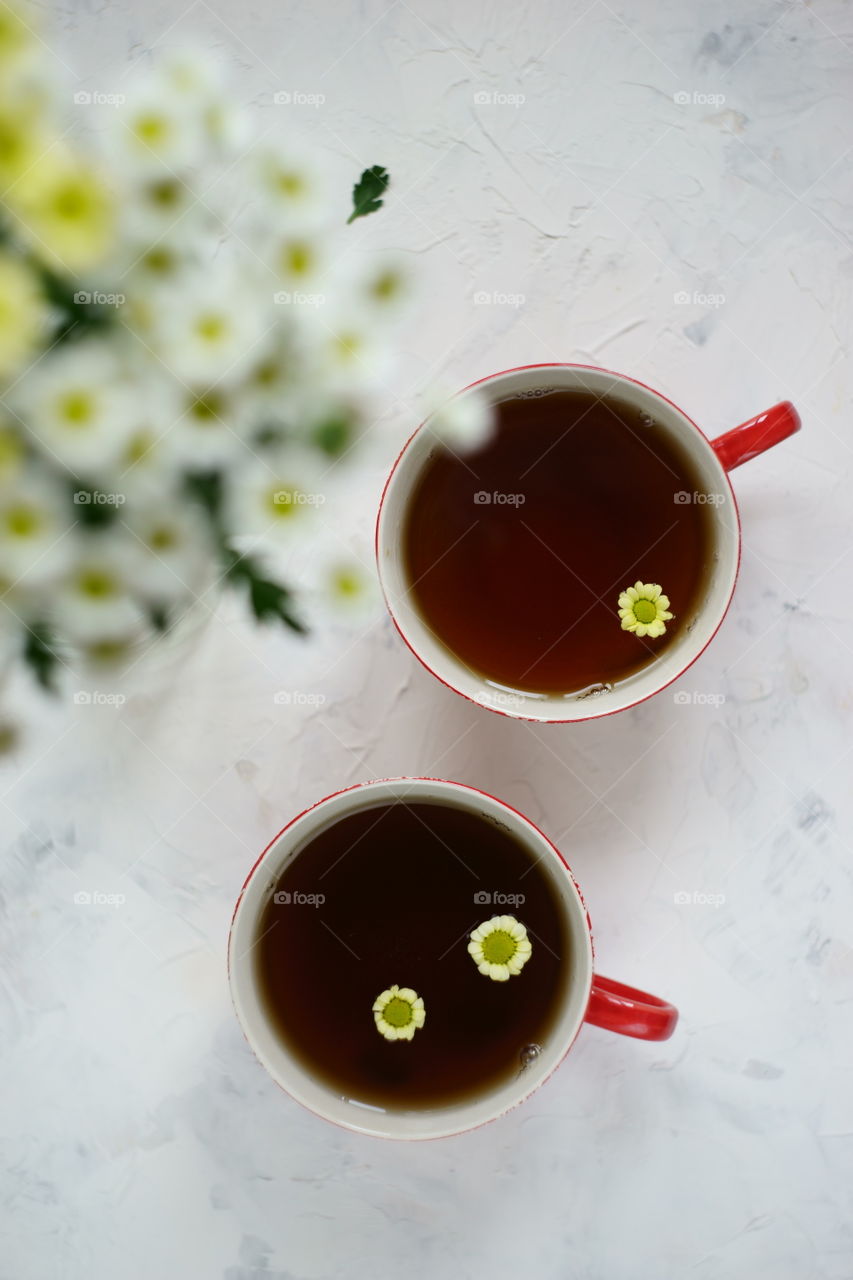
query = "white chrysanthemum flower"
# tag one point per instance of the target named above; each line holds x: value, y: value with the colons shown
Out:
x: 95, y: 599
x: 79, y: 406
x: 156, y: 130
x: 194, y: 82
x: 386, y: 286
x: 343, y: 350
x: 212, y: 325
x: 210, y: 431
x: 398, y: 1013
x: 276, y: 497
x: 23, y: 314
x: 299, y: 259
x: 160, y: 207
x: 500, y: 947
x: 463, y: 422
x: 644, y: 609
x: 34, y: 522
x: 292, y: 186
x: 269, y: 388
x: 170, y: 550
x: 64, y: 210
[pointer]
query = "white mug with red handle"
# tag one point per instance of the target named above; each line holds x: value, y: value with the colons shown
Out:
x: 588, y: 997
x: 712, y: 462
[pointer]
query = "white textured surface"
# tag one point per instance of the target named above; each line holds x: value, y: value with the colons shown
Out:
x: 139, y: 1136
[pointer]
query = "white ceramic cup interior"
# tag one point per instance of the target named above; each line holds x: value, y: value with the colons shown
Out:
x: 293, y: 1075
x: 537, y: 381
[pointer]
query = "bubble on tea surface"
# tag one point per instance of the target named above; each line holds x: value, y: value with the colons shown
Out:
x: 646, y: 419
x: 529, y: 1054
x: 593, y: 690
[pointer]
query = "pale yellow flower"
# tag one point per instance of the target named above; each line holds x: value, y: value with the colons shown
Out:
x: 500, y: 947
x: 23, y: 136
x: 398, y: 1013
x: 16, y: 36
x: 23, y: 311
x: 65, y: 210
x: 12, y: 454
x: 644, y: 609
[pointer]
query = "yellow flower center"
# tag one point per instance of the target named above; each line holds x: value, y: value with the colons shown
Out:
x: 211, y: 327
x: 70, y: 201
x: 397, y: 1012
x: 162, y: 538
x: 297, y: 258
x: 96, y: 583
x: 346, y: 583
x: 22, y: 521
x: 386, y: 286
x: 107, y: 651
x: 139, y: 446
x: 284, y: 502
x: 165, y: 193
x: 499, y: 947
x: 645, y: 610
x: 77, y: 408
x: 151, y: 129
x: 348, y: 345
x: 159, y: 260
x: 290, y: 184
x: 208, y: 408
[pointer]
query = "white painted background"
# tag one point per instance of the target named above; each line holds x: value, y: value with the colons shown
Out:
x: 139, y: 1136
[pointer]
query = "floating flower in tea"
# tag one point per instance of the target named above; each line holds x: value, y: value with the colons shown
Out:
x: 500, y: 947
x: 644, y: 609
x: 398, y: 1013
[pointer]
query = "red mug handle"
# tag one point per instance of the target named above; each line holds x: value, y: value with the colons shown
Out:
x: 759, y: 433
x: 616, y: 1007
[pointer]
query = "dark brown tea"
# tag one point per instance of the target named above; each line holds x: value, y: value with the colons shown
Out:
x: 517, y: 553
x: 389, y: 896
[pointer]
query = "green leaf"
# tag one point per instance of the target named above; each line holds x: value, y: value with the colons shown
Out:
x: 88, y: 511
x: 207, y: 488
x: 40, y: 655
x: 158, y: 616
x: 332, y: 435
x: 77, y: 313
x: 269, y: 600
x: 368, y: 192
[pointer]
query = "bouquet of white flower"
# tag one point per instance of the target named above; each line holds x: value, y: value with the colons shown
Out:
x: 184, y: 351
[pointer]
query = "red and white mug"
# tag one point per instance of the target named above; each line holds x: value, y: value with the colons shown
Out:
x: 588, y: 996
x: 712, y: 461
